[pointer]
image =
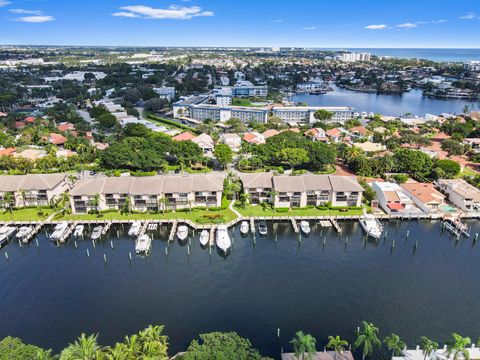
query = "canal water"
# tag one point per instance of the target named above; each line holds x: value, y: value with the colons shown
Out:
x: 395, y: 105
x: 324, y: 284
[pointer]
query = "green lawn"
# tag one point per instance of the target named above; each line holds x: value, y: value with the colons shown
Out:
x: 243, y: 102
x: 467, y: 171
x: 29, y: 214
x: 251, y: 210
x: 195, y: 215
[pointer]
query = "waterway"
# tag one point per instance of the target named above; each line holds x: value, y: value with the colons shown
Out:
x: 50, y: 294
x: 395, y: 105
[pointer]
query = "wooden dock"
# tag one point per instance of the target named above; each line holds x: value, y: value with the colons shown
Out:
x: 336, y: 226
x: 295, y: 225
x: 34, y: 232
x: 211, y: 239
x: 173, y: 231
x: 252, y: 225
x: 106, y: 227
x: 143, y: 230
x: 67, y: 233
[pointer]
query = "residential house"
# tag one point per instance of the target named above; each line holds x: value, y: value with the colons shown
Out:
x: 317, y: 134
x: 232, y: 140
x: 461, y: 194
x: 185, y: 136
x: 57, y: 139
x: 254, y: 138
x: 32, y: 189
x: 205, y: 142
x: 269, y: 133
x: 392, y: 198
x: 425, y: 196
x: 370, y: 147
x: 154, y: 193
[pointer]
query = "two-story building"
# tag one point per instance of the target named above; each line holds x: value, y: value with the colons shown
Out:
x: 461, y: 194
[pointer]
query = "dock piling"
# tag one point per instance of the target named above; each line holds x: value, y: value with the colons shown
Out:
x: 93, y: 243
x: 75, y: 243
x: 278, y: 333
x: 105, y: 258
x: 88, y: 253
x: 111, y: 244
x: 6, y: 256
x: 36, y: 242
x: 130, y: 255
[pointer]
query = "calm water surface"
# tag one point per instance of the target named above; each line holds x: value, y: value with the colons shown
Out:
x: 395, y: 105
x: 52, y: 294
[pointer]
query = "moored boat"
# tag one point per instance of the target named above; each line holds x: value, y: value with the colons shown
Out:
x: 78, y: 232
x: 244, y: 227
x: 59, y: 230
x: 97, y: 232
x: 262, y: 228
x: 182, y: 232
x: 371, y: 225
x: 143, y: 245
x: 23, y: 232
x: 5, y: 233
x: 204, y: 237
x: 305, y: 226
x: 135, y: 228
x: 222, y: 238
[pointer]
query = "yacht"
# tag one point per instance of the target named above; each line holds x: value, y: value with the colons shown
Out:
x: 244, y: 227
x: 97, y: 232
x: 204, y: 236
x: 182, y: 232
x: 305, y: 226
x: 222, y: 238
x: 5, y: 233
x: 59, y: 230
x: 78, y: 232
x: 135, y: 228
x: 371, y: 225
x: 262, y: 228
x: 23, y: 232
x: 143, y: 245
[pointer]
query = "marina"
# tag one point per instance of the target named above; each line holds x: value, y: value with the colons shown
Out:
x: 275, y: 267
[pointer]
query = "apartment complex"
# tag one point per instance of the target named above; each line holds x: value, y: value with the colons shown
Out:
x: 196, y: 109
x: 31, y: 190
x: 303, y: 190
x: 352, y: 57
x: 461, y: 194
x: 169, y: 192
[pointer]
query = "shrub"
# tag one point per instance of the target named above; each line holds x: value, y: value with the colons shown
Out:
x: 282, y: 209
x: 216, y: 208
x: 322, y: 207
x: 400, y: 178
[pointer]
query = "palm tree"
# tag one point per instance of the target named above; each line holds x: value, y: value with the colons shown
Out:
x: 95, y: 201
x: 458, y: 347
x: 45, y: 355
x: 162, y: 203
x: 368, y: 339
x: 338, y: 345
x: 428, y: 346
x: 304, y: 343
x: 84, y: 348
x: 395, y: 344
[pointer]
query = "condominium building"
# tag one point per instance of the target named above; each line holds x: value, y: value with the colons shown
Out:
x: 302, y: 190
x: 169, y: 192
x: 203, y: 112
x: 351, y: 57
x: 165, y: 92
x: 31, y: 190
x: 461, y: 194
x: 306, y: 114
x: 250, y: 91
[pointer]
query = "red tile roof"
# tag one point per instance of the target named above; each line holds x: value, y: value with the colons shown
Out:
x: 249, y: 137
x: 270, y: 132
x: 183, y: 136
x: 19, y: 124
x: 57, y: 139
x: 7, y: 151
x: 63, y: 127
x: 333, y: 132
x: 30, y: 119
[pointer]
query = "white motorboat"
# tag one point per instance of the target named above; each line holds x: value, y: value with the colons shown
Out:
x: 97, y: 232
x: 204, y: 237
x: 78, y: 232
x: 262, y: 228
x: 135, y: 229
x: 5, y: 233
x: 371, y: 225
x: 305, y: 226
x: 143, y: 245
x: 59, y: 230
x: 222, y: 238
x: 182, y: 232
x: 24, y: 231
x: 244, y: 227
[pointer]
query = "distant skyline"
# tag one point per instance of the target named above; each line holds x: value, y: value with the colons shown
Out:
x: 222, y: 23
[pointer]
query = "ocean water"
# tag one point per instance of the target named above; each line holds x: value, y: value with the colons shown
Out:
x: 447, y: 55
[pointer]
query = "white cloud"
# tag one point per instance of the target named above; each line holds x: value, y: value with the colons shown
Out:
x: 23, y: 11
x: 276, y: 21
x: 4, y: 3
x: 309, y: 28
x: 441, y: 21
x: 172, y: 12
x: 407, y: 26
x: 35, y: 19
x: 125, y: 14
x: 468, y: 16
x: 376, y: 27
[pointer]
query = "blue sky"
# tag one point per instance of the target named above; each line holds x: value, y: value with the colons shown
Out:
x: 303, y: 23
